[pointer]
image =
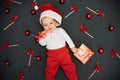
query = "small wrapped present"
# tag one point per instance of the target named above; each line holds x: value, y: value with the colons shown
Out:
x: 84, y: 53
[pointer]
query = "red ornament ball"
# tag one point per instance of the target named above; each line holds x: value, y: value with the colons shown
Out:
x: 62, y: 1
x: 33, y: 12
x: 7, y: 63
x: 6, y: 10
x: 37, y: 58
x: 111, y: 28
x: 100, y: 50
x: 27, y: 32
x: 89, y: 16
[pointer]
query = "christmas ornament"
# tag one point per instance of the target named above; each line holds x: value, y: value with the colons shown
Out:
x: 20, y: 76
x: 89, y: 16
x: 30, y: 52
x: 12, y: 21
x: 98, y: 68
x: 114, y: 52
x: 62, y: 1
x: 111, y: 28
x: 37, y: 58
x: 13, y: 1
x: 6, y: 45
x: 7, y: 63
x: 84, y: 29
x: 6, y: 10
x: 73, y: 9
x: 27, y: 32
x: 33, y: 12
x: 100, y: 50
x: 98, y: 12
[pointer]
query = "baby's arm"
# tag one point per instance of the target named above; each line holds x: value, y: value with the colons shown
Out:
x: 69, y: 41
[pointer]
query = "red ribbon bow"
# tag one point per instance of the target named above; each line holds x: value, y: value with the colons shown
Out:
x: 83, y: 28
x: 73, y: 8
x: 98, y: 68
x: 39, y: 35
x: 14, y: 18
x: 113, y: 52
x: 29, y: 51
x: 9, y: 1
x: 99, y: 12
x: 5, y: 44
x: 20, y: 76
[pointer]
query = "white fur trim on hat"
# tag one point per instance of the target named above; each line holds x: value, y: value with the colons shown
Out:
x: 52, y: 14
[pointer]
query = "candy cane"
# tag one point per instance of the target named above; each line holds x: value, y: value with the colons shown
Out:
x: 12, y: 20
x: 92, y: 74
x: 10, y: 2
x: 98, y: 12
x: 14, y: 45
x: 84, y: 29
x: 30, y: 52
x: 29, y: 62
x: 73, y: 9
x: 114, y: 52
x: 98, y: 68
x: 8, y: 25
x: 92, y: 10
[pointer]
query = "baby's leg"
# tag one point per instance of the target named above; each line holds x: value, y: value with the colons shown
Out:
x: 51, y: 68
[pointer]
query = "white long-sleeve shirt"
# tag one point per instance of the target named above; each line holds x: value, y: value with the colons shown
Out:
x: 56, y: 39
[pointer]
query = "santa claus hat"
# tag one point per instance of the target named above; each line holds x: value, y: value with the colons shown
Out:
x: 48, y: 10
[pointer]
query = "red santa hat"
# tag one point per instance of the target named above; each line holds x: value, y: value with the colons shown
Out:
x: 48, y: 10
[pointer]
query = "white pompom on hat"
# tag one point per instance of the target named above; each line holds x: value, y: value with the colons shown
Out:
x: 48, y: 10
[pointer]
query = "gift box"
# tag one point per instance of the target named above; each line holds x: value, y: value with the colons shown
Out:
x: 84, y: 53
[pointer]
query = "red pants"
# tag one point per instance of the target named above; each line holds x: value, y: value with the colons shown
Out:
x: 56, y: 58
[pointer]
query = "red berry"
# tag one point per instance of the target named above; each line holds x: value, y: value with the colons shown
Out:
x: 61, y: 1
x: 7, y: 63
x: 111, y: 28
x: 100, y: 50
x: 27, y: 33
x: 6, y: 10
x: 89, y: 16
x: 33, y: 12
x: 38, y: 58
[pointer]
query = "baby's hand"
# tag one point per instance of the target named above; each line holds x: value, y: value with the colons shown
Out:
x: 41, y: 34
x: 74, y: 50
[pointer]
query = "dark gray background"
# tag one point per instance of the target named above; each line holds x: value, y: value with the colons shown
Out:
x: 96, y: 26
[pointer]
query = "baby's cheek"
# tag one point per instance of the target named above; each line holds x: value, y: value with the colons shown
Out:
x: 45, y: 28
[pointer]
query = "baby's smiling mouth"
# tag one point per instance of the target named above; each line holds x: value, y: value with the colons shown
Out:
x: 49, y: 29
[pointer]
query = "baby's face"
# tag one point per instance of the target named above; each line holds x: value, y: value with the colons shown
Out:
x: 49, y: 24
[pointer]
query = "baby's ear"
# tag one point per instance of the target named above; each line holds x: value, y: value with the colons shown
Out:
x: 57, y: 23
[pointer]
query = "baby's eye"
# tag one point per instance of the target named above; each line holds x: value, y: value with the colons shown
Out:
x: 51, y: 23
x: 45, y: 25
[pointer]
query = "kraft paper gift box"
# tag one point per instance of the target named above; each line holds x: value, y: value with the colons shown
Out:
x: 84, y: 53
